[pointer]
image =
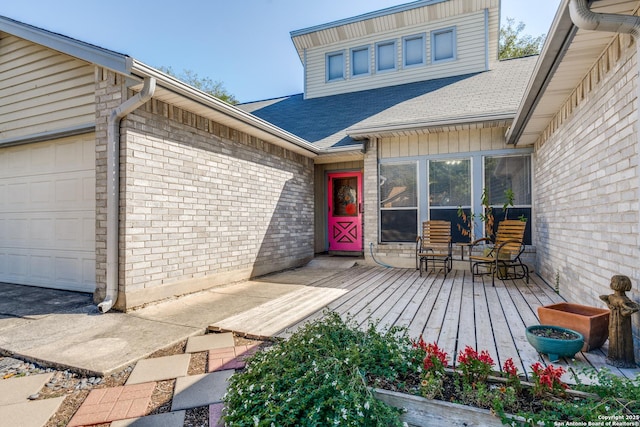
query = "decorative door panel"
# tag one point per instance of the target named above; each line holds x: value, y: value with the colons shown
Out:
x: 345, y: 211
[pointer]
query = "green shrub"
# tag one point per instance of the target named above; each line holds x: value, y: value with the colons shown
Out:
x: 318, y: 377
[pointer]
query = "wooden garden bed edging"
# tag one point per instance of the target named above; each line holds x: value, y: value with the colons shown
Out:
x: 422, y: 412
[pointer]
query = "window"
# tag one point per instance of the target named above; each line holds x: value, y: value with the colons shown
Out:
x: 443, y: 45
x: 360, y: 61
x: 386, y: 56
x: 413, y: 51
x: 450, y: 188
x: 335, y: 66
x: 398, y: 202
x: 504, y: 174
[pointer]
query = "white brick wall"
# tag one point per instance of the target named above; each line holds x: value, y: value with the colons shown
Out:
x: 201, y: 204
x: 586, y: 192
x: 197, y: 204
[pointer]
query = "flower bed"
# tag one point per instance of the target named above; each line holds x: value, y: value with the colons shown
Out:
x: 327, y: 374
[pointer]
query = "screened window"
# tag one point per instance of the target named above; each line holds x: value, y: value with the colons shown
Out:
x: 398, y: 202
x: 505, y: 176
x: 449, y: 189
x: 360, y: 61
x: 335, y: 66
x: 385, y: 56
x: 414, y: 50
x: 443, y: 44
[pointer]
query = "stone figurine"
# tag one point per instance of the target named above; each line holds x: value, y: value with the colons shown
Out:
x: 621, y: 351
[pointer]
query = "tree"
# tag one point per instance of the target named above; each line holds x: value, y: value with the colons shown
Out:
x: 205, y: 84
x: 514, y: 45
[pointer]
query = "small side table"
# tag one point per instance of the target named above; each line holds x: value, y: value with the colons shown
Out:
x: 463, y: 246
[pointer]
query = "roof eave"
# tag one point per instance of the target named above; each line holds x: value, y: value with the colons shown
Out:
x: 268, y: 131
x: 416, y: 126
x: 90, y: 53
x: 560, y: 35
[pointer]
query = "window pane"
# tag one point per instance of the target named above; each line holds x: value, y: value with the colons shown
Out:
x: 398, y: 225
x: 386, y: 56
x: 450, y: 183
x: 335, y: 67
x: 443, y: 45
x: 398, y: 185
x: 413, y: 51
x: 514, y: 213
x: 504, y: 173
x: 457, y: 226
x: 360, y: 61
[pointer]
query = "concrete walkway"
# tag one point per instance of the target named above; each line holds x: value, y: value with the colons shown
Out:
x: 64, y: 330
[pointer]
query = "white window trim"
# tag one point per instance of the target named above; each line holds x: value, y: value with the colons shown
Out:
x: 395, y: 55
x: 326, y: 62
x: 358, y: 49
x: 422, y: 36
x: 433, y: 42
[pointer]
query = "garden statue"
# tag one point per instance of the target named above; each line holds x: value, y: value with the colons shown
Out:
x: 620, y: 352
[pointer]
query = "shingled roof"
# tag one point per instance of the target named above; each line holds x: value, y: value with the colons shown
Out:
x: 332, y: 121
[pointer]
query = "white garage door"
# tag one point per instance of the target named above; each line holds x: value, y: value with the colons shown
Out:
x: 47, y: 214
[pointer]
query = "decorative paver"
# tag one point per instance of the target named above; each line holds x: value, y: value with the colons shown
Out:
x: 160, y: 368
x: 215, y: 415
x: 209, y: 341
x: 230, y: 357
x: 117, y: 403
x: 200, y: 390
x: 29, y: 413
x: 17, y: 390
x: 169, y: 419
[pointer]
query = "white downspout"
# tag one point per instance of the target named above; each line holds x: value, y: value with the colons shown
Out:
x: 113, y: 187
x: 585, y: 19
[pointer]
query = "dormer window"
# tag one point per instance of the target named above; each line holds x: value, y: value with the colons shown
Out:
x: 335, y: 66
x: 443, y: 45
x: 360, y: 61
x: 414, y: 50
x: 385, y: 56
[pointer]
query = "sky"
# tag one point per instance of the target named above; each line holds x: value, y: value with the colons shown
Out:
x: 245, y: 44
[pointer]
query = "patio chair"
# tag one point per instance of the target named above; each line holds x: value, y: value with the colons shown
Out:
x: 503, y: 258
x: 434, y: 245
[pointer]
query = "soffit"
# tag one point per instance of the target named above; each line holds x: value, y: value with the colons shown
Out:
x: 568, y: 55
x: 390, y: 19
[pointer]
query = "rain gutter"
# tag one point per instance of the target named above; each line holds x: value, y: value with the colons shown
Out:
x: 113, y: 187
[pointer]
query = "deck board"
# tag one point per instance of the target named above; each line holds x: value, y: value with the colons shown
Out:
x: 452, y: 310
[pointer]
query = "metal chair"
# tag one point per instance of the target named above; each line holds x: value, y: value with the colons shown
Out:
x: 434, y: 245
x: 503, y: 258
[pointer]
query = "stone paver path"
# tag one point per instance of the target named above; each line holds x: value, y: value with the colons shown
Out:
x: 115, y: 403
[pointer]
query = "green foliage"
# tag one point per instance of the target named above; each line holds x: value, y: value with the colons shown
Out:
x: 514, y: 45
x: 615, y: 396
x: 205, y: 84
x: 318, y: 378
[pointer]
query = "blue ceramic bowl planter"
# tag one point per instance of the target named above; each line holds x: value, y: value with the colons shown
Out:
x: 555, y: 348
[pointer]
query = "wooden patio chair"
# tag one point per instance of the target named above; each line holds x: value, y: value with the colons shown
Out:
x: 434, y: 245
x: 503, y: 258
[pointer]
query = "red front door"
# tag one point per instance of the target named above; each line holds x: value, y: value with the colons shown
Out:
x: 345, y: 211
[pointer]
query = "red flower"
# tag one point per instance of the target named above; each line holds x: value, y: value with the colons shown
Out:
x: 510, y: 368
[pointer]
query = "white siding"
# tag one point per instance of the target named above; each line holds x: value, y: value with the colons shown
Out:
x: 42, y: 90
x: 471, y: 54
x: 463, y: 141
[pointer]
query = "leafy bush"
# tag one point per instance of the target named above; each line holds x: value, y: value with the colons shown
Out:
x: 318, y: 377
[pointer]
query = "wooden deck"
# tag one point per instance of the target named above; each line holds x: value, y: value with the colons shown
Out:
x: 452, y: 311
